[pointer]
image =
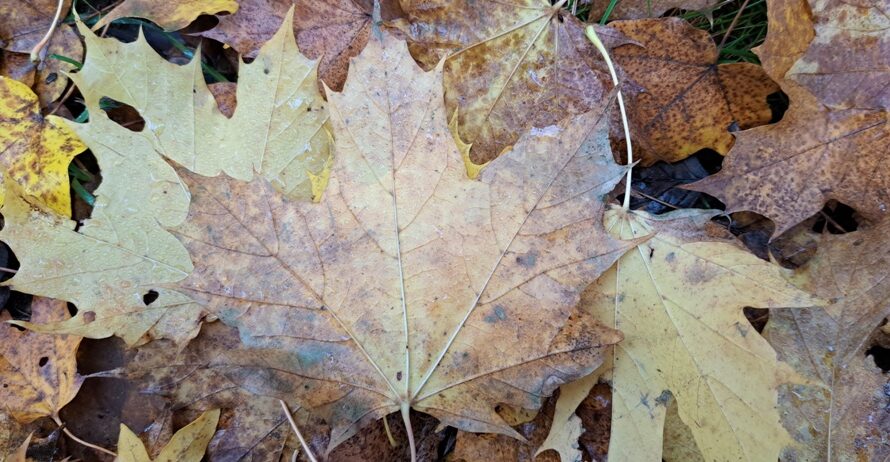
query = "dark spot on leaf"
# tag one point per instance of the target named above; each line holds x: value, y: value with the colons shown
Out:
x: 42, y: 362
x: 150, y: 297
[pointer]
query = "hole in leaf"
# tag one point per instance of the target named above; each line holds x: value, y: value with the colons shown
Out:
x: 8, y: 262
x: 42, y: 362
x: 881, y: 357
x: 836, y: 218
x: 757, y: 317
x: 778, y: 103
x: 123, y: 114
x: 85, y: 178
x: 72, y: 309
x: 150, y: 297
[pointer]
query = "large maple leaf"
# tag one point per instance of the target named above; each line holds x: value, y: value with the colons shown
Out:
x: 842, y: 414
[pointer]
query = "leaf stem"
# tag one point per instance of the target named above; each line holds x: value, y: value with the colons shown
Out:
x: 591, y: 35
x: 392, y: 441
x: 80, y: 441
x: 293, y: 425
x: 406, y: 417
x: 38, y: 48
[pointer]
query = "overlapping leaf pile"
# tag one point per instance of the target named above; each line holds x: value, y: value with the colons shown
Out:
x: 403, y: 208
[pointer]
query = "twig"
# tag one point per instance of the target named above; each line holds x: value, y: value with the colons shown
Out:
x: 830, y: 220
x: 732, y: 24
x: 591, y: 35
x: 293, y: 425
x: 35, y: 52
x: 655, y: 199
x: 8, y: 270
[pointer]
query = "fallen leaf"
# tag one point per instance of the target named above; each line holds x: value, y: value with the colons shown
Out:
x: 638, y: 9
x: 847, y: 64
x: 330, y: 31
x: 35, y: 150
x: 382, y: 265
x: 187, y: 445
x: 46, y: 77
x: 511, y: 66
x: 678, y: 299
x: 690, y: 102
x: 566, y: 427
x: 38, y: 372
x: 788, y: 170
x: 845, y: 415
x: 19, y: 455
x: 23, y: 23
x: 278, y: 128
x: 789, y: 33
x: 472, y: 447
x: 170, y: 15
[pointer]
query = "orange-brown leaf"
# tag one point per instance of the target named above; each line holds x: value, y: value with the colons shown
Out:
x: 690, y: 102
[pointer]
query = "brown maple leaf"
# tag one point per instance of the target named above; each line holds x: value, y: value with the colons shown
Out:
x: 511, y: 65
x: 690, y: 102
x: 788, y: 170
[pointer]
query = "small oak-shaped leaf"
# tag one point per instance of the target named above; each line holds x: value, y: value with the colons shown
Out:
x: 689, y: 102
x: 844, y: 416
x: 847, y: 64
x: 35, y: 151
x: 277, y: 129
x: 788, y: 170
x: 38, y: 372
x: 678, y: 299
x: 511, y: 65
x: 187, y: 445
x: 171, y: 14
x: 331, y: 31
x: 410, y: 285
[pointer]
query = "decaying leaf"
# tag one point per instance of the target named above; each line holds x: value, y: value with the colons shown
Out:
x: 35, y: 151
x: 567, y: 427
x: 511, y: 66
x: 472, y: 447
x: 789, y: 32
x: 847, y: 64
x: 690, y: 102
x: 19, y: 455
x: 46, y: 77
x: 844, y: 417
x: 331, y: 31
x: 187, y: 445
x: 278, y: 128
x: 24, y: 22
x: 788, y: 170
x: 170, y: 15
x: 638, y: 9
x: 678, y: 299
x: 363, y: 301
x: 38, y: 372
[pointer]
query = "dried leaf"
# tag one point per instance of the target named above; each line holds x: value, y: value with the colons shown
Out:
x: 568, y: 427
x: 277, y: 128
x: 513, y: 65
x: 38, y: 372
x: 35, y: 151
x: 389, y: 250
x: 170, y: 15
x: 678, y: 299
x: 19, y: 455
x: 789, y: 32
x: 846, y: 410
x: 187, y: 445
x: 847, y: 65
x: 638, y: 9
x: 24, y: 22
x: 788, y: 170
x: 331, y: 31
x: 47, y: 77
x: 690, y: 102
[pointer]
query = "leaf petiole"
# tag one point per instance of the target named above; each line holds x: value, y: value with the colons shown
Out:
x: 591, y: 35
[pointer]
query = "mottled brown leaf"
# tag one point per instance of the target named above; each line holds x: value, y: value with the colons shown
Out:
x: 689, y: 102
x: 788, y: 170
x: 638, y: 9
x: 847, y: 64
x: 38, y: 372
x: 789, y: 32
x: 332, y: 31
x: 512, y: 65
x: 842, y: 414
